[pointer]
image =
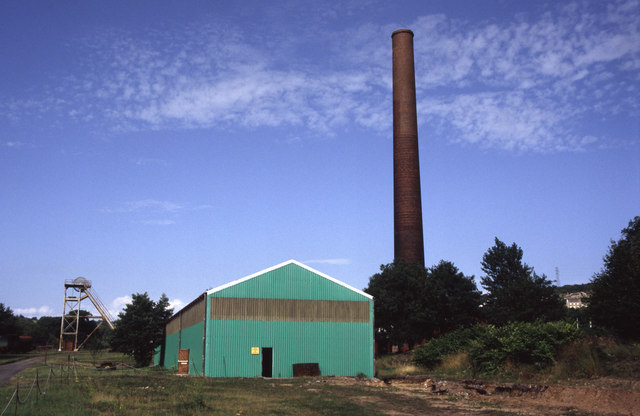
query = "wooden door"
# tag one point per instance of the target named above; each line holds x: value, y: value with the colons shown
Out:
x: 183, y: 361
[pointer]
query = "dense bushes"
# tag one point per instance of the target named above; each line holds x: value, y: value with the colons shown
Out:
x: 437, y: 349
x: 490, y: 348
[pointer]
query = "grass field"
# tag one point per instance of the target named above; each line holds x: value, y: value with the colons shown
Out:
x: 85, y: 390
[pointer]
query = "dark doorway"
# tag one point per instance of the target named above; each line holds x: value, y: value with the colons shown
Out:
x: 267, y: 362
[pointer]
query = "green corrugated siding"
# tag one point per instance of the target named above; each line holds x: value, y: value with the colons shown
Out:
x: 339, y: 348
x: 171, y: 351
x: 188, y: 339
x: 192, y: 341
x: 156, y: 355
x: 290, y: 282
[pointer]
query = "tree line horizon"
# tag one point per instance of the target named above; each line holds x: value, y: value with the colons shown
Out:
x: 414, y: 303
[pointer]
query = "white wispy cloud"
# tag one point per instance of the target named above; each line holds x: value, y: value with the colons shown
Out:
x: 155, y: 205
x: 558, y: 44
x: 521, y: 85
x: 118, y: 305
x: 155, y: 212
x: 159, y: 222
x: 147, y: 205
x: 506, y: 120
x: 150, y: 162
x: 525, y: 86
x: 176, y: 304
x: 13, y: 144
x: 34, y: 312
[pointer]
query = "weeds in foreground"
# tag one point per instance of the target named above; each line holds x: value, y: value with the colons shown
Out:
x: 577, y: 360
x: 582, y: 358
x: 83, y: 389
x: 396, y: 365
x: 620, y: 359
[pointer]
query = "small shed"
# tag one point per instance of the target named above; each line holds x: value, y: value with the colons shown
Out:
x: 283, y: 320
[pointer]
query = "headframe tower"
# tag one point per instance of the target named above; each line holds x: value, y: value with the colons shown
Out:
x: 75, y: 291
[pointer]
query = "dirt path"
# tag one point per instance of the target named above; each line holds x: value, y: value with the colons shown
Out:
x: 9, y: 370
x: 410, y: 404
x: 561, y: 399
x: 421, y: 396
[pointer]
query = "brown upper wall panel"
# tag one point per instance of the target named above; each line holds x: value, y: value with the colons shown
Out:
x: 249, y: 309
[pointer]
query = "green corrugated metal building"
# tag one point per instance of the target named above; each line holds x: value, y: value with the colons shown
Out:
x: 263, y: 324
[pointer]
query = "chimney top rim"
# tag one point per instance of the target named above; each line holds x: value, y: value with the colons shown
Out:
x: 402, y: 31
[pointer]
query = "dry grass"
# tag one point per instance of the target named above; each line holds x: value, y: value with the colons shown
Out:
x: 128, y: 391
x: 458, y: 363
x: 396, y: 365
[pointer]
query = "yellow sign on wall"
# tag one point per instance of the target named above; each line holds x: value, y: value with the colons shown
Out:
x: 255, y: 350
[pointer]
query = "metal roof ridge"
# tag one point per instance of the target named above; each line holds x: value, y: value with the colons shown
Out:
x: 277, y: 266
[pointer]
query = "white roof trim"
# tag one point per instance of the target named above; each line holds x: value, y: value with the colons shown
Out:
x: 277, y: 266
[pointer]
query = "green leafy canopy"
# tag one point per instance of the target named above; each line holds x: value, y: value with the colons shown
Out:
x: 514, y: 291
x: 615, y: 299
x: 413, y: 303
x: 140, y: 328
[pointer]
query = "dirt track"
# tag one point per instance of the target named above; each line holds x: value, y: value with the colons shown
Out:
x: 420, y: 395
x: 9, y: 370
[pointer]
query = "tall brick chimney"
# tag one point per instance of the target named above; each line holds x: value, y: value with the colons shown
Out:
x: 407, y: 201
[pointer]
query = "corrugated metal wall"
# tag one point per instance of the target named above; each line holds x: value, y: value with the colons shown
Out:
x: 185, y: 330
x: 172, y: 344
x: 339, y: 348
x: 192, y: 340
x: 302, y: 316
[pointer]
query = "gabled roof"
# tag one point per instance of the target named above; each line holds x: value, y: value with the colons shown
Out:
x: 277, y: 266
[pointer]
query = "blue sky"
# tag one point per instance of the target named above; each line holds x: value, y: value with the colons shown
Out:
x: 176, y: 146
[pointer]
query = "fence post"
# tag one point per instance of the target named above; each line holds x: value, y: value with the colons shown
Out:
x: 15, y: 413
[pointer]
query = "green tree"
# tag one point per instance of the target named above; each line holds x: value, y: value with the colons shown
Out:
x: 100, y: 339
x: 615, y: 298
x: 140, y: 328
x: 27, y: 325
x: 86, y: 326
x: 412, y: 303
x: 515, y: 291
x: 47, y: 331
x: 8, y: 321
x: 452, y: 296
x: 400, y: 308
